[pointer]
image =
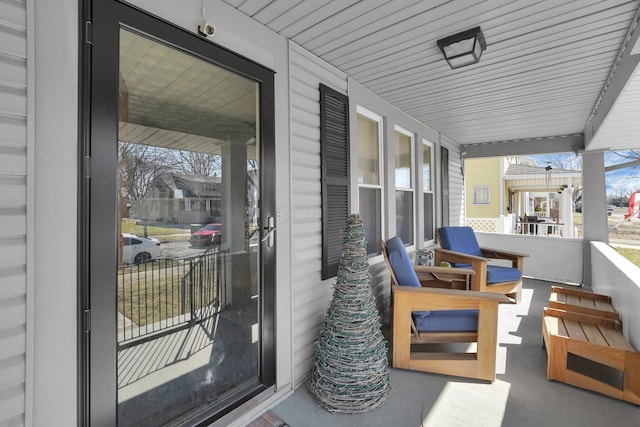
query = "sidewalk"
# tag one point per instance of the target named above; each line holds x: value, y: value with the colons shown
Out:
x: 628, y: 244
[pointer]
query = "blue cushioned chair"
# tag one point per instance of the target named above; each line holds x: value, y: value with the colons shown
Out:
x: 460, y: 247
x: 424, y: 315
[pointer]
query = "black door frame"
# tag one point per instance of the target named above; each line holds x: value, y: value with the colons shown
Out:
x: 100, y: 22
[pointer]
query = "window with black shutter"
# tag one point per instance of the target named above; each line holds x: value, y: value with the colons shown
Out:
x: 334, y: 153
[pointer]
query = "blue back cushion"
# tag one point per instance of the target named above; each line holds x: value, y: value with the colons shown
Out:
x: 400, y: 262
x: 460, y: 239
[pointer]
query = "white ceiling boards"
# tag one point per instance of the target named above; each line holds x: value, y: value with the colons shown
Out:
x: 542, y: 74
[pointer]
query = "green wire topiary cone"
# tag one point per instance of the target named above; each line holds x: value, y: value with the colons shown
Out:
x: 350, y: 373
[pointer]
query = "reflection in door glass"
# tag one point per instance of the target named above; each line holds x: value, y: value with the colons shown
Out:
x: 188, y: 282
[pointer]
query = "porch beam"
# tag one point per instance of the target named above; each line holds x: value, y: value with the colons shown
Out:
x: 537, y: 145
x: 623, y: 69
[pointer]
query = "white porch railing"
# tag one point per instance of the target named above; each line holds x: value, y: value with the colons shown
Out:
x: 504, y: 224
x: 614, y: 275
x: 556, y: 260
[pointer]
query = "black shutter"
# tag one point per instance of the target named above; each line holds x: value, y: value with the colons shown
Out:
x: 444, y: 161
x: 334, y: 154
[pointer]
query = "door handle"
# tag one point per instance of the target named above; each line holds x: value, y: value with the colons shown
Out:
x: 270, y: 232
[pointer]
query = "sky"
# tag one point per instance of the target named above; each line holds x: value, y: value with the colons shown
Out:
x: 621, y: 182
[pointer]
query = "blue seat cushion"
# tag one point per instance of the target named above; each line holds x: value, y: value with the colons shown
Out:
x: 446, y: 320
x: 401, y: 263
x: 459, y: 239
x: 497, y: 274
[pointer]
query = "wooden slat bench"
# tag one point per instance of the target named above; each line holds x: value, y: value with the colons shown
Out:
x: 582, y: 302
x: 575, y: 340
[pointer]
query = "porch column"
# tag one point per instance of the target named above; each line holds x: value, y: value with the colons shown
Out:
x: 566, y: 210
x: 234, y: 191
x: 594, y: 206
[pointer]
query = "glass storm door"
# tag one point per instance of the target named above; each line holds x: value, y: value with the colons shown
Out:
x: 190, y: 278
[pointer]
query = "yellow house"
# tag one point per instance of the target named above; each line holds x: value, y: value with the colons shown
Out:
x: 484, y: 187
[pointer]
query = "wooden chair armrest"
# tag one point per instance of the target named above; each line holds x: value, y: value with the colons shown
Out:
x: 446, y: 299
x: 582, y: 318
x: 501, y: 254
x: 443, y: 270
x: 458, y: 256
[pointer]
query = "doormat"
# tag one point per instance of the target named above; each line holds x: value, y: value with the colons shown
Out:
x: 268, y: 419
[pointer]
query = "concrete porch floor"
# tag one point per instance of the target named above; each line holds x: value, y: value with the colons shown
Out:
x: 521, y: 395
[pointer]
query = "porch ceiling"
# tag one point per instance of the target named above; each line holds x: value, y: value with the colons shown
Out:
x: 542, y: 74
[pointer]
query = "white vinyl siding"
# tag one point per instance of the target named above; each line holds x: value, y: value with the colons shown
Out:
x: 456, y: 182
x: 311, y: 295
x: 13, y: 211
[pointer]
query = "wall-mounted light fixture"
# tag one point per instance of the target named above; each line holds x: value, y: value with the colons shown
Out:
x: 464, y: 48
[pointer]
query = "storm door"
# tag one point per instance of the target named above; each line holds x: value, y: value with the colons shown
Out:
x: 180, y: 229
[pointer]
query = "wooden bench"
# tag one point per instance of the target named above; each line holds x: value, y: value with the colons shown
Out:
x: 582, y: 302
x: 590, y: 352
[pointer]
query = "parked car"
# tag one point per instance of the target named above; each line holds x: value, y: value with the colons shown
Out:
x: 610, y: 209
x: 207, y: 235
x: 136, y: 249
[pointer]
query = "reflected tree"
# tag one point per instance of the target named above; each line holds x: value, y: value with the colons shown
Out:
x: 139, y: 165
x: 199, y: 164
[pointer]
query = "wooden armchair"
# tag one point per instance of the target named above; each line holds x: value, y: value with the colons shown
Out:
x: 459, y: 247
x: 422, y: 315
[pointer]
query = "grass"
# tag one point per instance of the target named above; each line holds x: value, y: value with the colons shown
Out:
x: 154, y: 291
x: 165, y: 234
x: 632, y: 255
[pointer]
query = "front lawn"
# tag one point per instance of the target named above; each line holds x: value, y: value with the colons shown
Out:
x: 632, y: 255
x: 164, y: 234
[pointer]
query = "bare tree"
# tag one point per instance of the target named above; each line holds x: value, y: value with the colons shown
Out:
x: 564, y: 161
x: 195, y: 163
x: 627, y: 154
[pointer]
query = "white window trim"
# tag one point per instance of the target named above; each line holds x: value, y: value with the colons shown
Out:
x: 431, y: 145
x: 412, y: 138
x: 379, y: 119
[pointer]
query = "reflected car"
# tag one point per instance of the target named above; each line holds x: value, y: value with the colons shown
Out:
x: 206, y: 236
x: 136, y: 249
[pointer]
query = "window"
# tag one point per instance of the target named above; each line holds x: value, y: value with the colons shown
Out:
x: 481, y: 195
x: 404, y: 185
x: 427, y: 190
x: 369, y: 141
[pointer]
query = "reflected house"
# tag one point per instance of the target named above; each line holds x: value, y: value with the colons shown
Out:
x: 500, y: 192
x: 181, y: 199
